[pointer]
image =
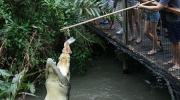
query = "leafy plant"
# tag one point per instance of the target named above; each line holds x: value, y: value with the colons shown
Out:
x: 10, y: 85
x: 28, y: 32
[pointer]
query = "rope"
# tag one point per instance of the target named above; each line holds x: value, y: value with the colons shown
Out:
x: 90, y: 20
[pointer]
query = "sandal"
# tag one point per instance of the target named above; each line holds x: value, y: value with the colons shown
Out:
x: 138, y: 40
x: 168, y: 62
x: 131, y: 39
x: 152, y: 52
x: 175, y: 67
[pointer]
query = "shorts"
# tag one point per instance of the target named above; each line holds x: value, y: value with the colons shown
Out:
x: 174, y: 31
x: 131, y: 3
x: 110, y: 4
x: 152, y: 16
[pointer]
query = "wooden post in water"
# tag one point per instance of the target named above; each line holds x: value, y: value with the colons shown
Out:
x: 124, y: 59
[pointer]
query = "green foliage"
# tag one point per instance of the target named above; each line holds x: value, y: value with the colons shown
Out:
x: 80, y: 58
x: 82, y: 52
x: 4, y: 73
x: 28, y: 31
x: 11, y: 84
x: 88, y: 7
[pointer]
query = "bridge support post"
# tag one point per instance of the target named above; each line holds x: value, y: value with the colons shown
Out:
x: 124, y: 66
x: 124, y: 59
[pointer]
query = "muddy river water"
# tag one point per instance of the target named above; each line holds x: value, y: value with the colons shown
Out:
x: 105, y: 81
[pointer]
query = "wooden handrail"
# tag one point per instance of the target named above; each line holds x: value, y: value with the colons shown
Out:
x: 90, y: 20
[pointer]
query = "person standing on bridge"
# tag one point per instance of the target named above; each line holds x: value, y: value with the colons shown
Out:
x: 151, y: 22
x: 173, y: 25
x: 133, y: 18
x: 118, y: 4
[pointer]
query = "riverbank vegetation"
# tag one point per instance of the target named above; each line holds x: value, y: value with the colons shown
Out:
x: 30, y: 33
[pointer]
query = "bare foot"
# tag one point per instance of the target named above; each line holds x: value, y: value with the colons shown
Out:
x: 168, y: 62
x: 138, y: 40
x: 152, y: 52
x: 131, y: 39
x: 175, y: 67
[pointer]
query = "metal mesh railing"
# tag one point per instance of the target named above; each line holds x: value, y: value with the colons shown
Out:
x: 144, y: 36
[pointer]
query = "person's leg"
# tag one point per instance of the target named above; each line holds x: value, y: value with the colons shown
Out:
x: 173, y: 53
x: 174, y: 36
x: 152, y: 37
x: 172, y: 60
x: 137, y: 23
x: 156, y: 42
x: 115, y: 5
x: 147, y: 30
x: 176, y: 55
x: 119, y: 5
x: 111, y: 22
x: 120, y: 30
x: 148, y: 33
x: 130, y: 18
x: 147, y: 26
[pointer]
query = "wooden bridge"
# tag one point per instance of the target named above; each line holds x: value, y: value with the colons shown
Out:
x: 139, y: 52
